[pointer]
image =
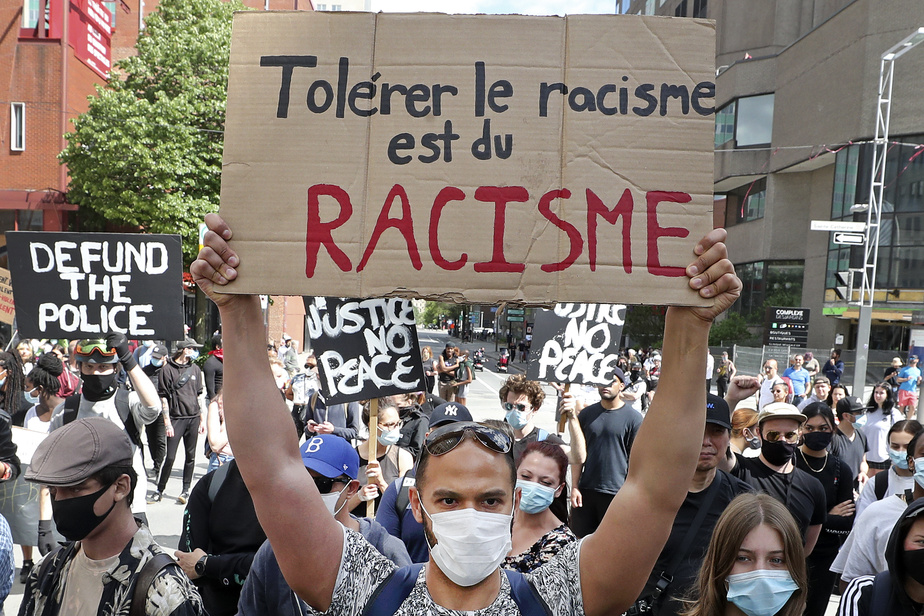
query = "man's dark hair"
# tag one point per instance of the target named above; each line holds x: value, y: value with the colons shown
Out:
x: 216, y: 341
x: 107, y: 476
x: 837, y: 352
x: 913, y: 443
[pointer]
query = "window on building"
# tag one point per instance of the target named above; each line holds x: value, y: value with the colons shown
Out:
x: 336, y: 7
x: 768, y: 283
x: 30, y: 13
x: 699, y: 9
x: 747, y: 202
x: 17, y: 127
x: 30, y: 220
x: 321, y: 7
x: 754, y: 125
x: 725, y: 124
x: 681, y: 10
x: 111, y: 7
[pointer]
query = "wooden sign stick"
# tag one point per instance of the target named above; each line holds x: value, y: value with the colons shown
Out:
x: 373, y: 446
x: 562, y: 420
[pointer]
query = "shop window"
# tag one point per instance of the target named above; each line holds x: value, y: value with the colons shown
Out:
x: 754, y: 121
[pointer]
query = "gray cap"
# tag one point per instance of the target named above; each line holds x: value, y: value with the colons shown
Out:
x: 189, y: 343
x: 79, y: 450
x: 159, y: 351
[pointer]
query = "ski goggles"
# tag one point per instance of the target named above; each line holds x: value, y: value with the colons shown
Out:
x: 95, y: 352
x: 446, y: 438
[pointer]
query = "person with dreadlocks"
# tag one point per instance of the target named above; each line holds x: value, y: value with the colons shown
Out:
x: 12, y: 398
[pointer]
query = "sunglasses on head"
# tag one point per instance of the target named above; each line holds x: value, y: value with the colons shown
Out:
x: 509, y: 406
x: 446, y: 438
x: 326, y: 484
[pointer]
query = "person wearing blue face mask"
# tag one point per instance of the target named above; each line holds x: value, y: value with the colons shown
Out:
x: 538, y: 534
x: 754, y: 565
x: 520, y: 400
x: 391, y: 461
x: 898, y: 478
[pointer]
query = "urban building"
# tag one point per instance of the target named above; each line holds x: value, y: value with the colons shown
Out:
x: 797, y: 89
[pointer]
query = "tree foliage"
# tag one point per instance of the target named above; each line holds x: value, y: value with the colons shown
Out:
x: 146, y: 156
x: 645, y: 325
x: 433, y: 310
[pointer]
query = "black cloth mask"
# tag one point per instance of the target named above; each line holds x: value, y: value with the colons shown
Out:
x: 778, y: 453
x: 913, y: 561
x: 98, y: 387
x: 74, y: 517
x: 818, y: 441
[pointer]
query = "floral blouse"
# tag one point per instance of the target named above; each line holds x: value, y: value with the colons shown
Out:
x: 541, y: 552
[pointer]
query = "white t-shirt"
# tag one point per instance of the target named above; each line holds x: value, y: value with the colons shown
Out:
x: 876, y: 430
x: 83, y: 589
x: 766, y: 395
x: 864, y: 551
x: 897, y: 485
x: 638, y: 388
x: 32, y: 421
x: 363, y: 568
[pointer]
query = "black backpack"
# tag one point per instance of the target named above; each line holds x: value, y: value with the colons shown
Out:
x: 123, y: 408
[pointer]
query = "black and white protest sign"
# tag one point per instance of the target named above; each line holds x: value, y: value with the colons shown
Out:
x: 87, y: 285
x: 576, y: 343
x: 366, y: 348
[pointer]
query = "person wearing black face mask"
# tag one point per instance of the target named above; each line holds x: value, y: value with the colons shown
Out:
x: 87, y: 467
x: 774, y: 470
x: 837, y: 480
x: 101, y: 362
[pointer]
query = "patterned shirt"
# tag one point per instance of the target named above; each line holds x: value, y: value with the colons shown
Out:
x: 170, y: 594
x: 363, y: 568
x: 541, y: 552
x: 7, y: 565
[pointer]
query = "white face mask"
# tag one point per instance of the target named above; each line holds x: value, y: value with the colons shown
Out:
x: 470, y: 543
x: 330, y: 501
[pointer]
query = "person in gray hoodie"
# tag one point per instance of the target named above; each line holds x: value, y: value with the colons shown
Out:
x: 334, y: 466
x: 899, y: 590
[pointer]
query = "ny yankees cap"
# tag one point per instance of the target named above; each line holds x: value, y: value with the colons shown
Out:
x: 331, y: 456
x: 449, y: 412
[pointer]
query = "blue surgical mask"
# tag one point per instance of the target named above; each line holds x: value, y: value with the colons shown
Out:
x: 899, y: 459
x: 390, y: 438
x: 860, y: 422
x: 517, y: 420
x: 761, y: 593
x: 534, y: 497
x: 157, y: 362
x: 919, y: 472
x: 35, y: 399
x: 193, y: 355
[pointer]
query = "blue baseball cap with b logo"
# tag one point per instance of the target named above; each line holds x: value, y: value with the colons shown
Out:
x: 331, y: 456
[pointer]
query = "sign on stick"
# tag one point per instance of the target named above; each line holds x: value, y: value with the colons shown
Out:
x: 576, y: 343
x: 365, y: 348
x: 7, y: 309
x: 75, y: 285
x: 469, y: 158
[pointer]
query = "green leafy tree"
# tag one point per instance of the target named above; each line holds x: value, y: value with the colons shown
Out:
x: 146, y: 156
x: 433, y: 310
x: 733, y: 329
x: 645, y: 325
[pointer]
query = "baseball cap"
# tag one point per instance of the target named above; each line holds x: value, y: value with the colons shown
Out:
x: 821, y: 379
x: 618, y: 375
x: 159, y: 351
x: 286, y: 337
x: 188, y: 343
x: 748, y: 403
x: 78, y: 451
x: 449, y: 412
x: 331, y: 456
x: 717, y: 411
x: 779, y: 410
x: 912, y: 358
x: 95, y: 351
x: 851, y: 404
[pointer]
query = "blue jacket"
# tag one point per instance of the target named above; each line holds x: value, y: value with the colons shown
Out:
x: 266, y: 592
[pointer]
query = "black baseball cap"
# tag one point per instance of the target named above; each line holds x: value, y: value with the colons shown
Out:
x: 449, y: 412
x: 717, y: 411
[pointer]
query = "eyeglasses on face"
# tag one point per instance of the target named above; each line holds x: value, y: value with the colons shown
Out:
x: 391, y: 425
x: 446, y: 438
x: 773, y: 436
x: 509, y: 406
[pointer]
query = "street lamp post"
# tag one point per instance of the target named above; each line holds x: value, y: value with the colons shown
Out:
x: 876, y: 192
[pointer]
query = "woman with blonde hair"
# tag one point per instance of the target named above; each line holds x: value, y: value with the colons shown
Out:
x: 744, y: 439
x: 755, y: 564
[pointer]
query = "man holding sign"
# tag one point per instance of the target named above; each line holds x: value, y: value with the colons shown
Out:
x: 465, y: 494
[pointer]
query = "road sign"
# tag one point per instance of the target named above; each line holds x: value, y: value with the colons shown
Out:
x: 787, y: 327
x: 515, y: 319
x: 838, y: 225
x: 842, y: 237
x: 515, y: 312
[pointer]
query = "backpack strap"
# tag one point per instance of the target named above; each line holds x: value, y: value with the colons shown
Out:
x: 543, y: 434
x: 403, y: 500
x: 124, y: 409
x: 218, y: 477
x: 71, y: 404
x: 525, y: 595
x: 392, y: 592
x: 881, y: 484
x: 144, y: 580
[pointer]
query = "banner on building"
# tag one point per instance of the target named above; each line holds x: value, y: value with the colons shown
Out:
x: 469, y: 158
x: 366, y: 348
x: 87, y: 285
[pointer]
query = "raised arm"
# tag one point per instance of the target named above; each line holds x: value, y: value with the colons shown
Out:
x: 640, y: 517
x: 262, y: 436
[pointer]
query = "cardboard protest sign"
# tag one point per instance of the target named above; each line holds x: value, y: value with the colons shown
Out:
x: 73, y: 285
x: 365, y: 348
x: 478, y: 158
x: 7, y: 309
x: 576, y: 343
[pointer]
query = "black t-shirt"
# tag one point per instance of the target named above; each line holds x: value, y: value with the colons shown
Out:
x: 850, y: 452
x: 609, y: 436
x: 520, y: 445
x: 802, y: 494
x: 684, y: 575
x: 836, y: 479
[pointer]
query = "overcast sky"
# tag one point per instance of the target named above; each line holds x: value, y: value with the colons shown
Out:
x: 526, y: 7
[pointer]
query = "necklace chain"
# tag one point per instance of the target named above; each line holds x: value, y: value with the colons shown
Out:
x: 810, y: 466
